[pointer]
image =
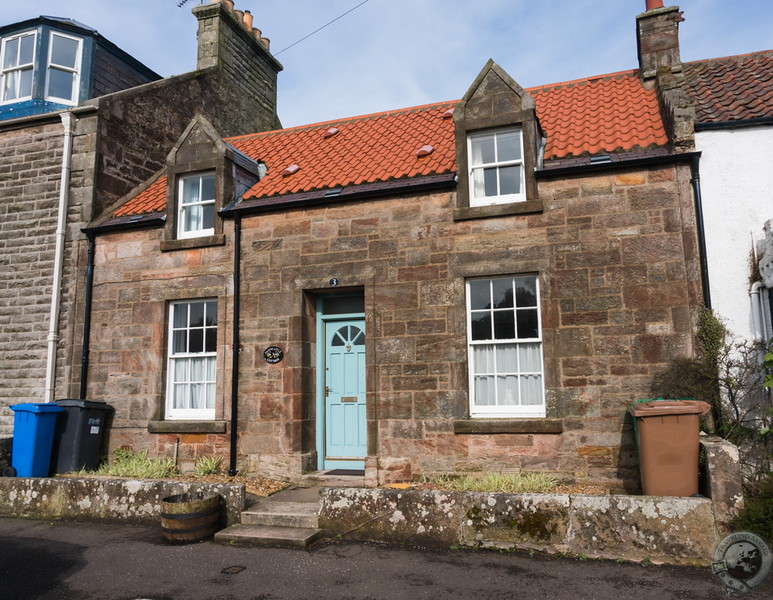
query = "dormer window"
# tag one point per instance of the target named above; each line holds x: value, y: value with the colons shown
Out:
x: 196, y: 206
x: 496, y: 167
x: 64, y: 60
x: 18, y: 61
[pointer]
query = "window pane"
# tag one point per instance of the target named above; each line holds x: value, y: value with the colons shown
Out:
x: 25, y: 83
x: 180, y: 395
x: 509, y: 146
x: 480, y: 294
x: 211, y: 340
x: 190, y: 190
x: 11, y: 53
x: 509, y: 180
x: 64, y: 51
x: 504, y: 325
x: 531, y: 389
x: 507, y: 390
x: 208, y: 216
x: 478, y: 184
x: 192, y: 218
x: 196, y: 340
x: 526, y: 291
x: 483, y: 358
x: 490, y: 182
x: 211, y: 308
x: 527, y: 324
x: 60, y: 84
x: 530, y: 358
x: 485, y: 394
x: 482, y: 150
x: 180, y: 342
x: 180, y: 318
x: 503, y: 292
x: 481, y: 326
x: 27, y: 49
x: 197, y: 314
x: 341, y: 305
x: 507, y: 358
x: 208, y: 187
x: 9, y: 90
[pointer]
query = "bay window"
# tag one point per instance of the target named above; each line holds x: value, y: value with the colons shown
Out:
x: 18, y: 62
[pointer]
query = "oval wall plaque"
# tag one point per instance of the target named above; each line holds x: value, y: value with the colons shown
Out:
x: 273, y: 354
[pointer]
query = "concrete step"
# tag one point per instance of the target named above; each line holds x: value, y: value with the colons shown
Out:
x: 261, y: 535
x: 282, y: 514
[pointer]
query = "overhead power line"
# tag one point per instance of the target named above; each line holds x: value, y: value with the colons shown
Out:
x: 321, y: 28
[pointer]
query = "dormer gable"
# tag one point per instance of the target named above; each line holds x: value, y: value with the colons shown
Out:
x: 204, y: 173
x: 497, y: 147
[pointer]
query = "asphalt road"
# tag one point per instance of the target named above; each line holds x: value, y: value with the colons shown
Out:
x: 63, y: 561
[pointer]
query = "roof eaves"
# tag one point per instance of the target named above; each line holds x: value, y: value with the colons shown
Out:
x: 354, y: 192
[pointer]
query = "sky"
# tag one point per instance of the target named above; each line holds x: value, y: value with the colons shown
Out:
x: 390, y: 54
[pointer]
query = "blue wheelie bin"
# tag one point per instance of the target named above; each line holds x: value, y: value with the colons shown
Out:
x: 33, y: 438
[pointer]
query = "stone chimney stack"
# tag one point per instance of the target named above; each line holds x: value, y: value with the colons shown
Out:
x: 229, y: 43
x: 660, y: 66
x: 658, y: 38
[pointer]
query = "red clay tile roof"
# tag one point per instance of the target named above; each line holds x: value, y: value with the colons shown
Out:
x: 150, y: 200
x: 601, y: 115
x: 366, y: 149
x: 732, y: 88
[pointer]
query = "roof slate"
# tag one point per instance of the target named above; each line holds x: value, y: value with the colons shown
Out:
x: 601, y: 115
x: 732, y: 88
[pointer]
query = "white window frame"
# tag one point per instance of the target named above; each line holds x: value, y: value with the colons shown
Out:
x: 175, y: 358
x: 30, y: 66
x: 495, y: 370
x: 76, y: 70
x: 474, y: 168
x: 182, y: 207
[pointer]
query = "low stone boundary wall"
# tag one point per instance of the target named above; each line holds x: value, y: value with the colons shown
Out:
x: 668, y: 530
x: 98, y: 499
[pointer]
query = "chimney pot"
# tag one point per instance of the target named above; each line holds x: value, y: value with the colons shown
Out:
x: 248, y: 20
x: 239, y: 14
x: 653, y: 4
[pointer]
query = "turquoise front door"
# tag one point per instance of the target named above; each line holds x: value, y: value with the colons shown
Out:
x: 346, y: 439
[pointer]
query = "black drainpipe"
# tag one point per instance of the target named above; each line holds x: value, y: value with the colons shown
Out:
x: 87, y: 314
x: 235, y: 351
x: 696, y: 185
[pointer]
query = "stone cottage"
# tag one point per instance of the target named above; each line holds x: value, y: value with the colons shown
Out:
x: 81, y: 124
x: 482, y: 284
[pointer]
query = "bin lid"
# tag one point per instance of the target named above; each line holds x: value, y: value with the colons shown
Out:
x: 662, y: 406
x: 36, y: 408
x: 78, y: 403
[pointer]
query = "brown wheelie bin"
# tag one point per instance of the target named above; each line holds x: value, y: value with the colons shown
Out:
x: 667, y: 438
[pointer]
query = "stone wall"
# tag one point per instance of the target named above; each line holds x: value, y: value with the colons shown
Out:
x: 617, y: 265
x: 668, y: 530
x: 30, y: 169
x: 102, y: 499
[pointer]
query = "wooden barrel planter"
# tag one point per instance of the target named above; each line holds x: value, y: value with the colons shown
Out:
x: 190, y: 517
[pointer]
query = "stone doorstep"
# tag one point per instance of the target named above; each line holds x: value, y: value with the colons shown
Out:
x: 282, y: 514
x: 262, y: 535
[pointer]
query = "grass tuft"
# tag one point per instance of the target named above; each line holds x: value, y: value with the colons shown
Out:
x: 127, y: 463
x: 517, y: 483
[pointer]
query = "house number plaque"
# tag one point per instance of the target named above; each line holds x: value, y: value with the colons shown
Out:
x: 273, y: 354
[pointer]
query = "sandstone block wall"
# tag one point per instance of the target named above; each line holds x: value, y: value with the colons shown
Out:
x: 30, y: 168
x: 617, y: 265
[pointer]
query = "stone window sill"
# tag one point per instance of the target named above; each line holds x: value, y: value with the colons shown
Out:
x: 187, y: 426
x: 464, y: 213
x: 482, y: 426
x: 186, y: 244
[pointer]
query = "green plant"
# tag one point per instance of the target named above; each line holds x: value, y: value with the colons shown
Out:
x: 208, y: 465
x: 516, y: 483
x: 757, y: 513
x: 127, y: 463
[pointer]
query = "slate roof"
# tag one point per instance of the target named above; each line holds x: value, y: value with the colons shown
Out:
x: 734, y: 88
x: 600, y: 115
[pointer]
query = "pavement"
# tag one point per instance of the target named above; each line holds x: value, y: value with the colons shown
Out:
x: 42, y: 560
